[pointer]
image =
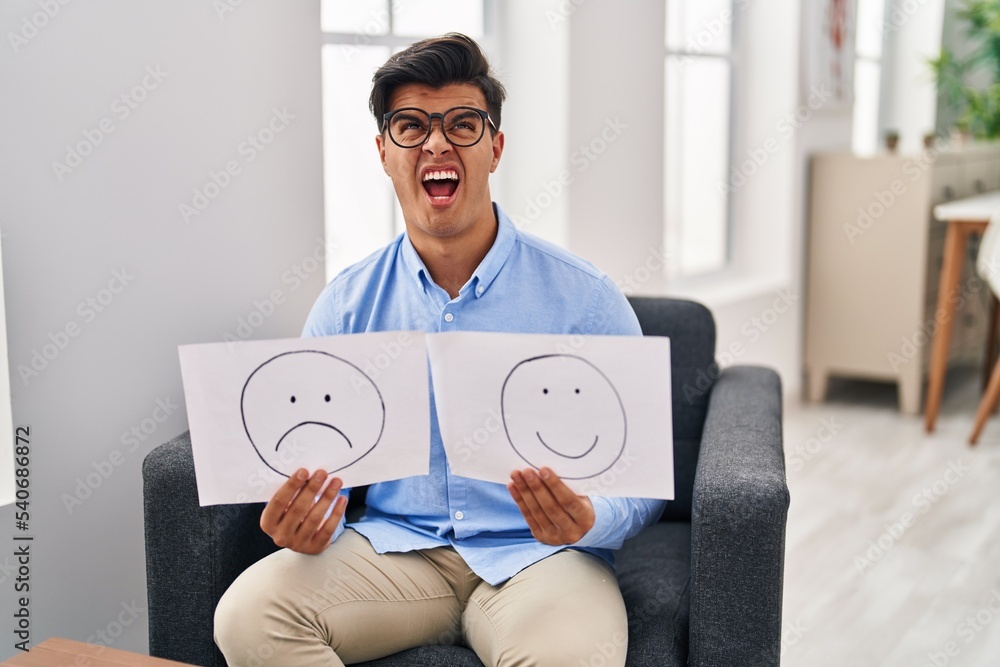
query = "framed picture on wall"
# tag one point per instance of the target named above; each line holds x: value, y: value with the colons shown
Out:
x: 829, y: 34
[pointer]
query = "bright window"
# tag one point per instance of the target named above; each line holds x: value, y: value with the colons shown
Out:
x: 868, y: 75
x: 358, y: 36
x: 699, y: 115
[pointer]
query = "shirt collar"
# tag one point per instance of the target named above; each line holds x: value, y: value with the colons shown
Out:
x: 487, y: 270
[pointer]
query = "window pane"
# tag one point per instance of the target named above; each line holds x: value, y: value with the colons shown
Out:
x: 867, y: 77
x: 697, y: 162
x: 426, y: 18
x: 363, y: 17
x: 699, y: 26
x: 358, y: 193
x: 871, y: 19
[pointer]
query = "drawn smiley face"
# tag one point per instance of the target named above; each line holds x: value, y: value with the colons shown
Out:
x: 310, y: 409
x: 561, y: 411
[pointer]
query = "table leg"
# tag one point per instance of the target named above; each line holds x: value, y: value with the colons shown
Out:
x: 951, y: 271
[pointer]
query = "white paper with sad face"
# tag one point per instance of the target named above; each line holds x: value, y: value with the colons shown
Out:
x: 595, y: 409
x: 355, y: 406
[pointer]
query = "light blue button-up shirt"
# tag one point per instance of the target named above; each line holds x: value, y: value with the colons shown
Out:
x: 523, y: 285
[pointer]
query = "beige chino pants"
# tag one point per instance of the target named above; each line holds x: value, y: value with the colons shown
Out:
x: 350, y: 604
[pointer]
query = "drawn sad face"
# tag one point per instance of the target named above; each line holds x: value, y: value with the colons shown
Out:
x: 560, y: 411
x: 311, y: 410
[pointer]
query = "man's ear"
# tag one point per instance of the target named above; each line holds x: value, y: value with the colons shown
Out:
x: 380, y: 145
x: 497, y: 150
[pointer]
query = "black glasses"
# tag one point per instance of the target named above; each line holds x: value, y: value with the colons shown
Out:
x: 411, y: 127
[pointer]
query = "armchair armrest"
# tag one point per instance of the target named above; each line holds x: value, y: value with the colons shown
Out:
x: 193, y: 553
x: 738, y: 524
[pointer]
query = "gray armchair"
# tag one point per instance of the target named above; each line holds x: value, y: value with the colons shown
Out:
x: 702, y: 586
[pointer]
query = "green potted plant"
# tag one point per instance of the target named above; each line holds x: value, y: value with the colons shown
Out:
x: 891, y: 140
x: 979, y: 106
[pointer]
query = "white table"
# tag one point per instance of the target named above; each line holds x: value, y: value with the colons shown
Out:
x: 964, y: 217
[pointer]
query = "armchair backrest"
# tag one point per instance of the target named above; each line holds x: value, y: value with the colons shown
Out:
x: 691, y: 329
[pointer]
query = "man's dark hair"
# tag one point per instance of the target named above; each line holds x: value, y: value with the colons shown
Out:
x: 437, y: 62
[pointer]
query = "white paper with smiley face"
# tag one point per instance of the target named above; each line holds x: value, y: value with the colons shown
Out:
x: 595, y: 409
x: 356, y: 406
x: 561, y: 411
x: 313, y: 410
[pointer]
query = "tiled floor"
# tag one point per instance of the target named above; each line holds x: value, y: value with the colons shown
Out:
x: 893, y: 542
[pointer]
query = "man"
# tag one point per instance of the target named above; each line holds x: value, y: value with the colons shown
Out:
x: 522, y: 574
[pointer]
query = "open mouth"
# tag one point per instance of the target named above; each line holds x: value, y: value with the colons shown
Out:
x: 566, y: 456
x: 440, y: 185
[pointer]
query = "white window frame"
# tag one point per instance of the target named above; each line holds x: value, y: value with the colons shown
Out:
x: 881, y: 63
x: 733, y: 62
x: 396, y: 43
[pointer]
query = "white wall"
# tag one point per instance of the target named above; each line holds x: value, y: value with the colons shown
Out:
x: 616, y: 134
x: 759, y: 318
x: 111, y: 231
x: 532, y: 60
x: 615, y: 203
x: 8, y: 488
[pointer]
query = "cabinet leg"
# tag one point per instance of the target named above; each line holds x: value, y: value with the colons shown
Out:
x: 909, y: 395
x: 818, y: 381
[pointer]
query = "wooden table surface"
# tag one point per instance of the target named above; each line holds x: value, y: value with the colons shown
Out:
x: 57, y: 652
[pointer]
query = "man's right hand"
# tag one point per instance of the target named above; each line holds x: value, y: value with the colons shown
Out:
x: 294, y: 516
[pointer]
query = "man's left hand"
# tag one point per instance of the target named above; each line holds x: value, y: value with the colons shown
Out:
x: 555, y: 514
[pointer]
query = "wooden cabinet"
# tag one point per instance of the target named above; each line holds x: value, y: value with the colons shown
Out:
x: 874, y: 262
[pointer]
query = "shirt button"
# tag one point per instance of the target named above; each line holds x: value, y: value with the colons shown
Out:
x: 479, y: 290
x: 459, y: 515
x: 448, y: 317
